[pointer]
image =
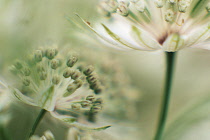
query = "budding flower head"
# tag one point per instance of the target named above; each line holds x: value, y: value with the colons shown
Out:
x: 149, y: 24
x: 53, y: 83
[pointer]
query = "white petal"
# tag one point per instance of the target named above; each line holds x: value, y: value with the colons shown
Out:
x: 73, y: 122
x: 22, y: 97
x: 197, y: 36
x: 173, y: 43
x: 144, y: 39
x: 203, y: 45
x: 47, y: 99
x: 112, y: 39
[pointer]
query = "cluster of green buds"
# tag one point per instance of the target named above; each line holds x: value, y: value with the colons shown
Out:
x: 121, y: 93
x: 47, y: 136
x: 59, y: 84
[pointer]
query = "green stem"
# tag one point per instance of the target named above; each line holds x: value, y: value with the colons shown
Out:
x: 3, y: 133
x: 36, y: 123
x: 170, y: 60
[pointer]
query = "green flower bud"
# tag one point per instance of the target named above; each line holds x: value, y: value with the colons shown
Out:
x: 71, y: 89
x: 98, y: 101
x: 76, y: 106
x: 43, y: 75
x: 90, y: 98
x: 71, y: 61
x: 54, y: 63
x: 26, y: 71
x: 56, y: 79
x: 26, y: 82
x: 96, y: 109
x: 92, y: 78
x: 76, y: 75
x: 38, y: 55
x: 85, y: 104
x: 40, y: 68
x: 51, y: 53
x: 98, y: 90
x: 78, y: 83
x: 13, y: 69
x: 88, y: 70
x: 68, y: 72
x: 18, y: 65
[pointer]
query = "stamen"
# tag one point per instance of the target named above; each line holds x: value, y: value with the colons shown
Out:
x: 169, y: 16
x: 123, y: 9
x: 159, y: 3
x: 140, y: 6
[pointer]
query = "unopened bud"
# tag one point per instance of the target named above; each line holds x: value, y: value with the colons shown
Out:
x: 40, y: 68
x: 18, y: 65
x: 98, y: 89
x: 26, y: 71
x: 54, y: 63
x: 76, y: 106
x: 13, y: 69
x: 38, y: 55
x: 96, y: 109
x: 68, y: 72
x: 51, y: 53
x: 56, y: 79
x: 71, y: 61
x: 98, y: 101
x: 85, y: 103
x: 88, y: 70
x: 26, y: 82
x: 92, y: 78
x: 78, y: 83
x: 76, y: 74
x: 90, y: 98
x: 71, y: 89
x: 43, y: 75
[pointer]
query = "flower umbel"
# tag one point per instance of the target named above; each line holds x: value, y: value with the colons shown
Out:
x: 149, y: 25
x: 54, y: 83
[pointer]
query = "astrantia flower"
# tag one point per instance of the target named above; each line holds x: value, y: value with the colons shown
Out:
x: 149, y: 25
x: 53, y: 82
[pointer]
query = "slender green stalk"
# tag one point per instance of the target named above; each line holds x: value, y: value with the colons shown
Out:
x: 3, y: 133
x: 36, y: 123
x: 170, y: 60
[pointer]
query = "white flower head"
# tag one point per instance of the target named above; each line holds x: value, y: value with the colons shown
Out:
x: 57, y: 83
x: 149, y: 25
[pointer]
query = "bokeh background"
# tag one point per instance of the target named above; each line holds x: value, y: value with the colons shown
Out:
x: 26, y: 24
